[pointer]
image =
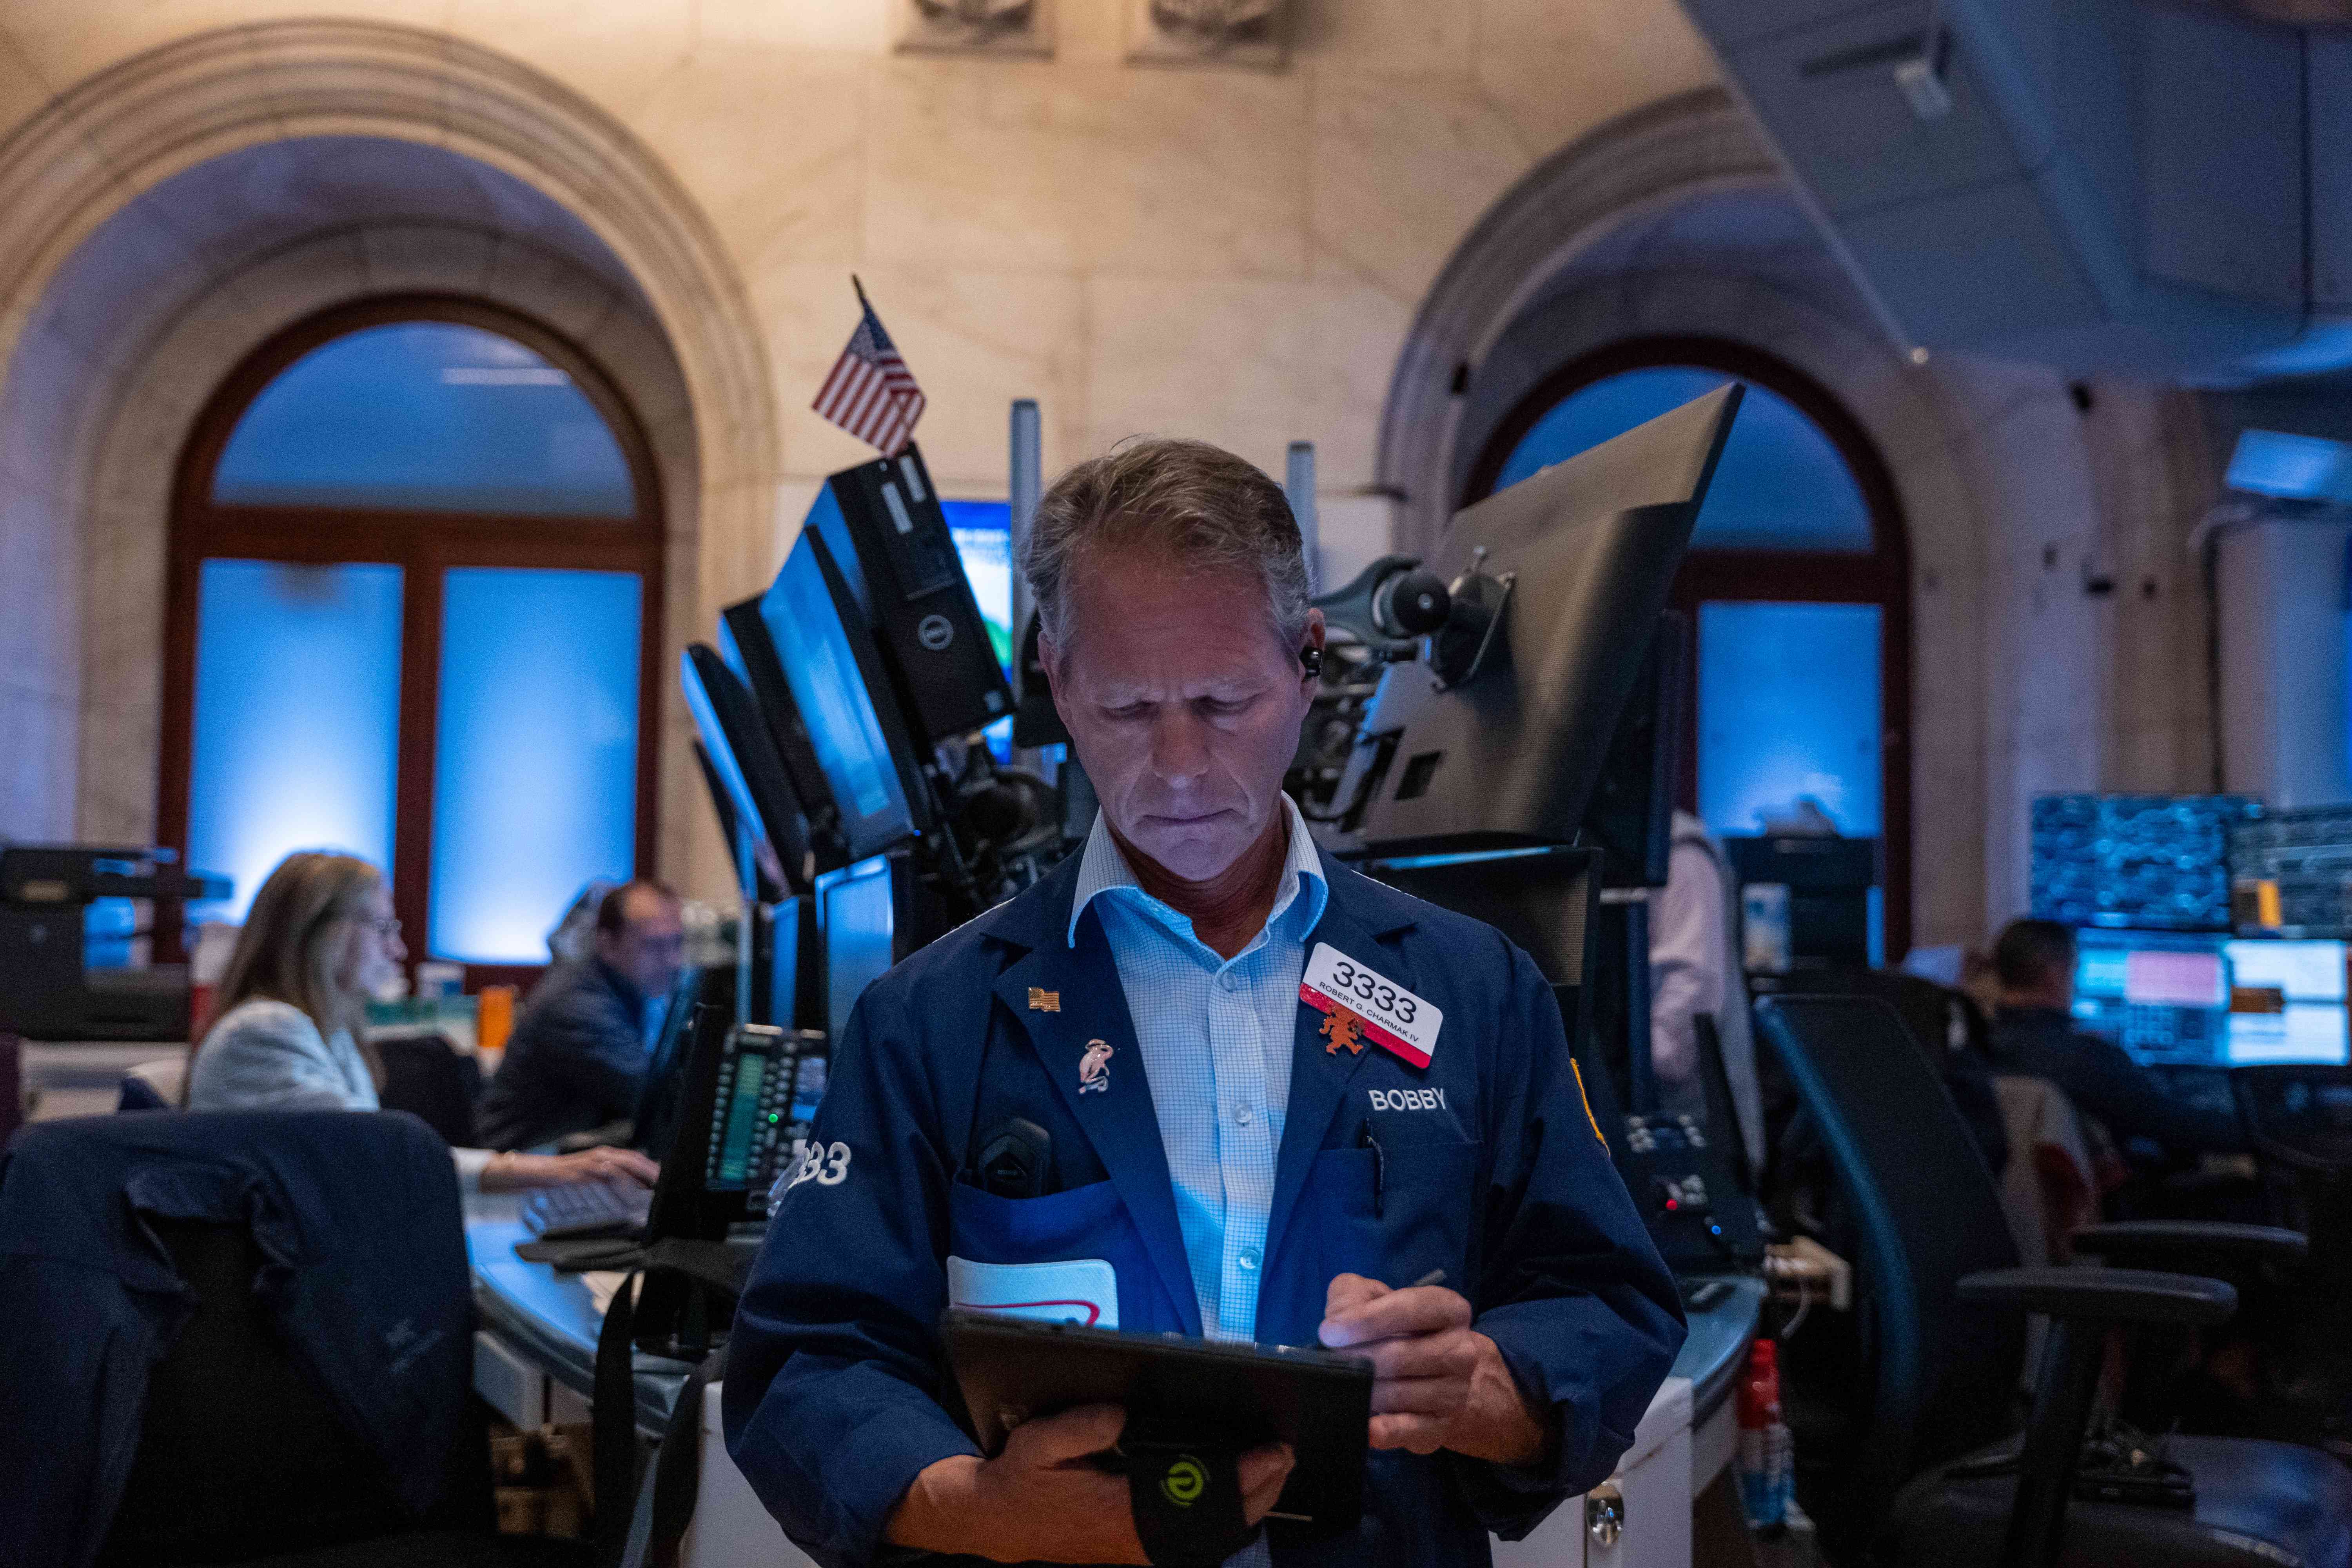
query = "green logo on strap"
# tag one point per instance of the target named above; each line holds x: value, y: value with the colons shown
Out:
x: 1186, y: 1479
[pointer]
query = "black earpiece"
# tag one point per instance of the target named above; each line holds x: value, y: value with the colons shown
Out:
x: 1311, y: 657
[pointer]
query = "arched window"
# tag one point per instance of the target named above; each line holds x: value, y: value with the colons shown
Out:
x: 1797, y: 584
x: 416, y: 572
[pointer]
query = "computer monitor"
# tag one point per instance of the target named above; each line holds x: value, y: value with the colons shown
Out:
x: 744, y: 760
x: 1631, y: 816
x: 2287, y: 1004
x: 836, y: 684
x: 884, y: 524
x: 866, y: 918
x: 784, y: 990
x: 1574, y: 565
x: 983, y: 532
x: 749, y: 651
x: 2163, y: 996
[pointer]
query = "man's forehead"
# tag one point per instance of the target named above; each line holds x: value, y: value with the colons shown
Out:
x: 645, y: 906
x: 1221, y: 611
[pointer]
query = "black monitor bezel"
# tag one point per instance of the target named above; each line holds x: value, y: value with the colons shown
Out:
x: 859, y: 840
x: 773, y: 802
x: 881, y: 594
x: 761, y: 670
x: 904, y: 916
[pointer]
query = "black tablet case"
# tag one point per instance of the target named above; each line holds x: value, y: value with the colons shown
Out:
x: 1318, y: 1401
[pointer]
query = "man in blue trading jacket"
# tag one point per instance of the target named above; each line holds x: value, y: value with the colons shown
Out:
x: 1233, y: 1149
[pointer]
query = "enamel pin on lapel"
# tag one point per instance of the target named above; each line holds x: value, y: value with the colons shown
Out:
x: 1094, y: 1068
x: 1043, y: 1001
x: 1345, y: 1031
x: 1392, y: 1017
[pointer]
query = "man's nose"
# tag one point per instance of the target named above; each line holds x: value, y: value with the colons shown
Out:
x: 1180, y: 745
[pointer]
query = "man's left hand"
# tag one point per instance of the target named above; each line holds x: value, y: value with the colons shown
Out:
x: 1437, y: 1382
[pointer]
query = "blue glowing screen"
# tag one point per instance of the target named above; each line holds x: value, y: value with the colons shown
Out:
x: 858, y: 921
x: 1781, y: 484
x: 297, y: 723
x: 426, y: 416
x: 805, y: 624
x: 1787, y: 711
x: 982, y: 531
x: 535, y: 780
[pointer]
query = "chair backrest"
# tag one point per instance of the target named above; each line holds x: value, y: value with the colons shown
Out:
x: 433, y: 1081
x: 238, y: 1449
x: 243, y: 1332
x: 1939, y: 1376
x: 2299, y: 1116
x: 12, y: 1086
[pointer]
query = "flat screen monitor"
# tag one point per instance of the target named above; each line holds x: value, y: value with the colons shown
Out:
x: 2163, y: 996
x: 982, y: 531
x: 2287, y: 1004
x: 897, y: 550
x: 860, y: 913
x: 1575, y: 564
x: 2195, y: 999
x: 836, y: 682
x: 744, y: 761
x: 751, y: 653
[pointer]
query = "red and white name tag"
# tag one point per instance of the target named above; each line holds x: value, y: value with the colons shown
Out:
x: 1394, y: 1018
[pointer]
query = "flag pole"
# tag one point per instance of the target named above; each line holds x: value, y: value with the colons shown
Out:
x: 862, y: 303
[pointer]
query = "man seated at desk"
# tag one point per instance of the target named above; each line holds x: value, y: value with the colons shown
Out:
x: 2034, y: 1034
x: 1222, y: 1158
x: 577, y: 1057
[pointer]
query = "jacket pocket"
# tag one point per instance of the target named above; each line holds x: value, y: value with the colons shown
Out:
x: 1086, y: 1225
x: 1428, y: 1202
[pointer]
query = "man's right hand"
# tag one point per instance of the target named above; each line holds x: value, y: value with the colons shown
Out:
x: 1042, y: 1500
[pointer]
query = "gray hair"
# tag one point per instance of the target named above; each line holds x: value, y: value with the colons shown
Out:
x: 1200, y: 504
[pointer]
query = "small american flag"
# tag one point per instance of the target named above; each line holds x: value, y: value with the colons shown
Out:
x: 869, y: 392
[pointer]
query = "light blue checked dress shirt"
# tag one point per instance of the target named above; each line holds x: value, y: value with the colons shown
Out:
x: 1216, y: 1036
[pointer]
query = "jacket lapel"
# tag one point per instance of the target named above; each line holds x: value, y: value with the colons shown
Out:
x: 1091, y: 1006
x: 1320, y: 1076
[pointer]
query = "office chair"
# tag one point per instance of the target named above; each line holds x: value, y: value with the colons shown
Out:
x: 12, y: 1086
x: 249, y: 1338
x: 1913, y: 1471
x: 433, y: 1081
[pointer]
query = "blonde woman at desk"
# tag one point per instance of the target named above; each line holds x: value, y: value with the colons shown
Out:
x: 321, y: 936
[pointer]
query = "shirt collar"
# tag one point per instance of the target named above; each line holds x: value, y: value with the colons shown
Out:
x: 1102, y: 868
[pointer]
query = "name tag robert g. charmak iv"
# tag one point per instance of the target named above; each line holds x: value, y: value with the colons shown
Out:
x: 1394, y: 1019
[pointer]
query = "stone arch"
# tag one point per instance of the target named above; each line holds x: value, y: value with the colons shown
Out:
x: 352, y: 159
x: 1677, y: 220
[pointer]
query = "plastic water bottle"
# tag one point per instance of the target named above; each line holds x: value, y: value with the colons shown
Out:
x: 1764, y: 1456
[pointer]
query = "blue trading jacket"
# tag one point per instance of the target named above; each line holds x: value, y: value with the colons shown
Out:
x: 1489, y: 1167
x: 357, y: 1219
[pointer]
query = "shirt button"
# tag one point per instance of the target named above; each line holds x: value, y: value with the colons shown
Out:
x: 1248, y: 1260
x: 1243, y: 1116
x: 1227, y: 981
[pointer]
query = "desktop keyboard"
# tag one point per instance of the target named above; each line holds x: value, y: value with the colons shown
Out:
x: 592, y: 1208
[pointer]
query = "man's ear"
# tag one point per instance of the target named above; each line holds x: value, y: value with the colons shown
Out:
x: 1317, y: 634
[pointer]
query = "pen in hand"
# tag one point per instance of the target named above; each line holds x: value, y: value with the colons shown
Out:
x: 1434, y: 1276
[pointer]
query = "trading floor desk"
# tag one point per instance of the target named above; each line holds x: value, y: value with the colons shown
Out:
x: 537, y: 1349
